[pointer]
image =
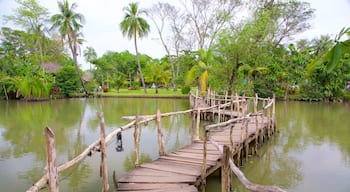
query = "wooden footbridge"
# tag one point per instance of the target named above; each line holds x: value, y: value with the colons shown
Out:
x: 239, y: 126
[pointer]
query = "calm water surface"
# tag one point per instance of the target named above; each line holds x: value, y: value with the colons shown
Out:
x: 311, y: 152
x: 76, y: 125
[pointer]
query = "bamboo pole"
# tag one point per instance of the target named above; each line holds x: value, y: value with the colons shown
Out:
x: 52, y: 173
x: 225, y: 170
x: 103, y: 166
x: 160, y: 134
x: 136, y: 143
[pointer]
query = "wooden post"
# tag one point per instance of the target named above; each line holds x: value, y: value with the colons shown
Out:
x: 269, y: 120
x: 52, y: 173
x: 196, y: 132
x: 238, y: 106
x: 136, y: 142
x: 204, y: 168
x: 219, y: 110
x: 225, y: 170
x: 274, y: 112
x: 256, y: 123
x: 160, y: 134
x: 232, y: 105
x: 103, y: 166
x: 196, y: 99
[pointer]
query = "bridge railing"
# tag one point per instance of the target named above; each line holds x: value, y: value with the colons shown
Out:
x: 136, y: 122
x: 259, y: 113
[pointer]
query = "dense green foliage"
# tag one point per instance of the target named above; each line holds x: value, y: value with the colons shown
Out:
x: 248, y: 56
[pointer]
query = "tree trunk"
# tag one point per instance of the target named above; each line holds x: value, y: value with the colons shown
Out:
x: 139, y: 66
x: 75, y: 60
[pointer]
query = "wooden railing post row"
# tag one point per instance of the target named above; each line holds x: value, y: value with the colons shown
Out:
x: 52, y: 173
x: 136, y: 142
x: 103, y: 166
x: 225, y: 170
x: 160, y: 134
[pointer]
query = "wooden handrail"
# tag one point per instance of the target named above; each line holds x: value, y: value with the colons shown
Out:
x: 240, y: 175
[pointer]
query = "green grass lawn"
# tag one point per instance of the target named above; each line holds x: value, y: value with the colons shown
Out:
x: 150, y: 93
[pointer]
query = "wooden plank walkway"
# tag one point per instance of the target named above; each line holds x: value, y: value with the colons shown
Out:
x: 181, y: 170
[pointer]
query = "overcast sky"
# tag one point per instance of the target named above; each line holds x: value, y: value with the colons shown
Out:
x: 101, y: 30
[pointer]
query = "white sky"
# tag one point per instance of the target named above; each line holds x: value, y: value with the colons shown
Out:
x: 102, y: 32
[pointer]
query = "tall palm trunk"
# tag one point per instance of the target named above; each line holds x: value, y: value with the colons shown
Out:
x: 73, y: 48
x: 139, y: 65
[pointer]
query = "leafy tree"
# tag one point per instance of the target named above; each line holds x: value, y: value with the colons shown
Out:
x: 69, y: 23
x: 134, y: 26
x: 32, y: 17
x: 207, y: 18
x: 159, y: 14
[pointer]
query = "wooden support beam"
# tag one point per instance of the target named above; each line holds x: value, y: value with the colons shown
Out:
x: 160, y: 134
x: 196, y: 132
x: 204, y: 166
x: 136, y: 143
x: 225, y: 170
x: 103, y: 166
x: 52, y: 173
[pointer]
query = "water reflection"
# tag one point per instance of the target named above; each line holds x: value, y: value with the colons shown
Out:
x: 75, y: 123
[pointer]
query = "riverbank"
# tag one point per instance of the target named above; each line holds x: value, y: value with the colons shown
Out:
x: 125, y: 93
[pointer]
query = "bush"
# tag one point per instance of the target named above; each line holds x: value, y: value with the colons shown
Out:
x: 185, y: 90
x: 67, y: 80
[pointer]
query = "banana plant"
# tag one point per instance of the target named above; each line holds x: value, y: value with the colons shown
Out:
x: 333, y: 56
x: 200, y: 71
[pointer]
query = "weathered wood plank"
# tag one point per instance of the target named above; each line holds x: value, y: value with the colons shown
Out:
x: 153, y: 187
x: 186, y: 159
x: 174, y: 169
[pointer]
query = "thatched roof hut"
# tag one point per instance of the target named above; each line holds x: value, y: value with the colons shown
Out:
x: 51, y: 67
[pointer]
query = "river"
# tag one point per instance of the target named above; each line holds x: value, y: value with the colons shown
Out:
x: 310, y: 152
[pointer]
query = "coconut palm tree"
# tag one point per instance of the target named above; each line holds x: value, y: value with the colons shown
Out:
x: 89, y: 54
x: 69, y: 23
x: 134, y: 26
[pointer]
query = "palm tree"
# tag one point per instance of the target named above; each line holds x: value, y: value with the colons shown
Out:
x: 158, y: 73
x: 90, y: 54
x: 69, y: 23
x: 132, y: 26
